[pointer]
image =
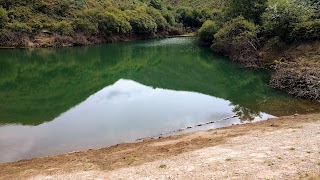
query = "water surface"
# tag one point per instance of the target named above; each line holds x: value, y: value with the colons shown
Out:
x: 60, y: 100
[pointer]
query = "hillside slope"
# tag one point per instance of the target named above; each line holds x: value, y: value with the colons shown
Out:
x: 43, y: 23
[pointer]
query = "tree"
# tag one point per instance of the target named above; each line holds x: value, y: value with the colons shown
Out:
x: 207, y: 31
x: 190, y: 17
x: 157, y: 16
x: 3, y: 17
x: 282, y: 16
x: 141, y: 22
x: 6, y: 4
x: 156, y: 4
x: 309, y: 30
x: 111, y: 23
x: 237, y: 39
x: 86, y: 26
x: 249, y: 9
x: 63, y: 27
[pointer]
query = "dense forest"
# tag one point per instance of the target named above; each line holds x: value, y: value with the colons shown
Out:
x: 279, y: 34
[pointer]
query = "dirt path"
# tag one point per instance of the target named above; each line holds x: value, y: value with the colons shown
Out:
x: 284, y: 148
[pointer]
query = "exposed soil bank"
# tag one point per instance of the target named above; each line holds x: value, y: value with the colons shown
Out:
x: 296, y: 68
x: 283, y: 148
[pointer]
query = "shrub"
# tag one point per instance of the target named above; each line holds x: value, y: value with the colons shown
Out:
x: 110, y: 23
x: 250, y: 10
x: 141, y: 22
x: 275, y: 43
x: 156, y: 4
x: 63, y: 27
x: 207, y: 31
x: 207, y: 14
x: 85, y: 26
x: 189, y: 17
x: 36, y: 25
x: 309, y: 30
x: 169, y: 17
x: 235, y: 28
x: 19, y: 27
x: 237, y: 39
x: 3, y: 17
x: 21, y: 13
x: 282, y: 16
x: 62, y: 7
x: 157, y: 16
x: 315, y: 4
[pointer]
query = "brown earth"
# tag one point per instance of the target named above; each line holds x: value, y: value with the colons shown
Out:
x: 282, y: 148
x: 296, y: 68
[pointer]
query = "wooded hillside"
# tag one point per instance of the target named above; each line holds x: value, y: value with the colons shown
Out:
x: 94, y: 20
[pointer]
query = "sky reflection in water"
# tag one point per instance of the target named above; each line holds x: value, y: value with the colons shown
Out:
x: 122, y: 112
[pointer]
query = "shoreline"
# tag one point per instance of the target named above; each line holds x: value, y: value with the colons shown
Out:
x: 51, y: 40
x: 131, y: 156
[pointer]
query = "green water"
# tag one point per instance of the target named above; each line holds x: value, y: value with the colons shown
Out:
x: 40, y: 88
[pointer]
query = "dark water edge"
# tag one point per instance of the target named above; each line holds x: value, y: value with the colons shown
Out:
x: 65, y: 99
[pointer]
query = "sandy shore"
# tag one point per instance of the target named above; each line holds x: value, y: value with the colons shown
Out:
x: 282, y: 148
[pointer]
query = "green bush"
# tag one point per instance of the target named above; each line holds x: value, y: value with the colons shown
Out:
x: 309, y: 30
x: 315, y: 4
x: 251, y: 10
x: 237, y: 39
x: 282, y: 16
x: 141, y: 22
x: 170, y: 18
x: 3, y: 17
x: 21, y: 13
x: 85, y: 26
x: 110, y: 23
x: 207, y: 31
x: 107, y: 21
x: 63, y: 27
x: 235, y: 28
x: 275, y: 43
x: 189, y: 17
x: 19, y: 27
x: 156, y: 4
x: 36, y: 25
x: 159, y: 19
x: 62, y: 7
x: 206, y: 14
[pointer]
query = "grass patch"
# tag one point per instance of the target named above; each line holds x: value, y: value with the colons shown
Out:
x: 228, y: 159
x: 162, y: 166
x: 292, y: 149
x: 188, y: 35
